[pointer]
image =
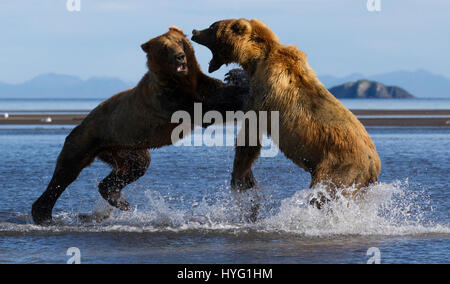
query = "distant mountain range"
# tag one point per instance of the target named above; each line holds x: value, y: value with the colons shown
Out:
x: 421, y: 83
x: 364, y: 89
x: 64, y: 86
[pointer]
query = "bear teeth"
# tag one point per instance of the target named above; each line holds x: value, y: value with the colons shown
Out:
x: 181, y: 68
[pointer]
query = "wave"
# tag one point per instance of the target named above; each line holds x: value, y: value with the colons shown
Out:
x: 387, y: 209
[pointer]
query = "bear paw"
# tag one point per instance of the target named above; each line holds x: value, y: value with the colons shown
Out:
x: 120, y: 203
x: 319, y: 201
x: 41, y: 215
x: 115, y: 200
x: 243, y: 183
x: 237, y: 77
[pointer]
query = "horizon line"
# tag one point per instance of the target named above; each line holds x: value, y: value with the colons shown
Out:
x: 134, y: 82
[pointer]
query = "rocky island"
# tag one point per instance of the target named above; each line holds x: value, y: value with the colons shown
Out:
x: 365, y: 89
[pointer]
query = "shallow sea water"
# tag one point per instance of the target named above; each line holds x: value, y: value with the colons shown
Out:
x: 183, y: 210
x: 36, y: 105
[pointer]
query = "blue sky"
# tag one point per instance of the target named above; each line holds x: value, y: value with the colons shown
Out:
x: 339, y: 37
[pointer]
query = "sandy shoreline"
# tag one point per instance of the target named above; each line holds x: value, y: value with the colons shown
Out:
x: 367, y: 117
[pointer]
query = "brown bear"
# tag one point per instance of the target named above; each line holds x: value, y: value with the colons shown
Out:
x: 122, y: 129
x: 316, y: 131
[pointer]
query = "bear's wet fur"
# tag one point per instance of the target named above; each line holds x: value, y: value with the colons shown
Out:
x: 122, y: 129
x: 317, y: 132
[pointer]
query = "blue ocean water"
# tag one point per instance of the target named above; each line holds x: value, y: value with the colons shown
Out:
x: 9, y: 105
x: 183, y: 211
x: 89, y: 104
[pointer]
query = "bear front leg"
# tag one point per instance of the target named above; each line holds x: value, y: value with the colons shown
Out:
x: 242, y: 177
x: 248, y: 148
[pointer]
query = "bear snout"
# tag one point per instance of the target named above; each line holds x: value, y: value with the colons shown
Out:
x: 198, y: 36
x: 195, y: 35
x: 181, y: 58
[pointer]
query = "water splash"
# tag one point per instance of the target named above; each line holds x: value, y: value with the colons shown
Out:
x: 391, y: 209
x: 386, y: 209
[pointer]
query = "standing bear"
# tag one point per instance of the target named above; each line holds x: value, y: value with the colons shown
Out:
x: 316, y: 131
x: 122, y: 129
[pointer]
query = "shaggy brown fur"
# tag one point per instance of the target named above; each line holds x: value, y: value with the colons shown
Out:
x: 122, y: 129
x: 317, y: 132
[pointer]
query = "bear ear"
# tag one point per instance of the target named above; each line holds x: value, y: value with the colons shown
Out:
x: 176, y: 29
x: 241, y: 26
x: 259, y: 22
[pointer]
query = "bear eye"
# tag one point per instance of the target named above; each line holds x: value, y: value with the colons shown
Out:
x: 213, y: 26
x: 256, y: 39
x: 164, y: 50
x: 181, y: 44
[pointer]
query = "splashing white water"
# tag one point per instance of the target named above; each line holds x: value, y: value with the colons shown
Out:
x: 386, y: 209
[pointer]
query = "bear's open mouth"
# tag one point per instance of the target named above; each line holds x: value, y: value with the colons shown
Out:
x: 182, y: 67
x: 215, y: 63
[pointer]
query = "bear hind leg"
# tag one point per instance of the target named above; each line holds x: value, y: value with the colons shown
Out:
x: 128, y: 166
x: 74, y: 157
